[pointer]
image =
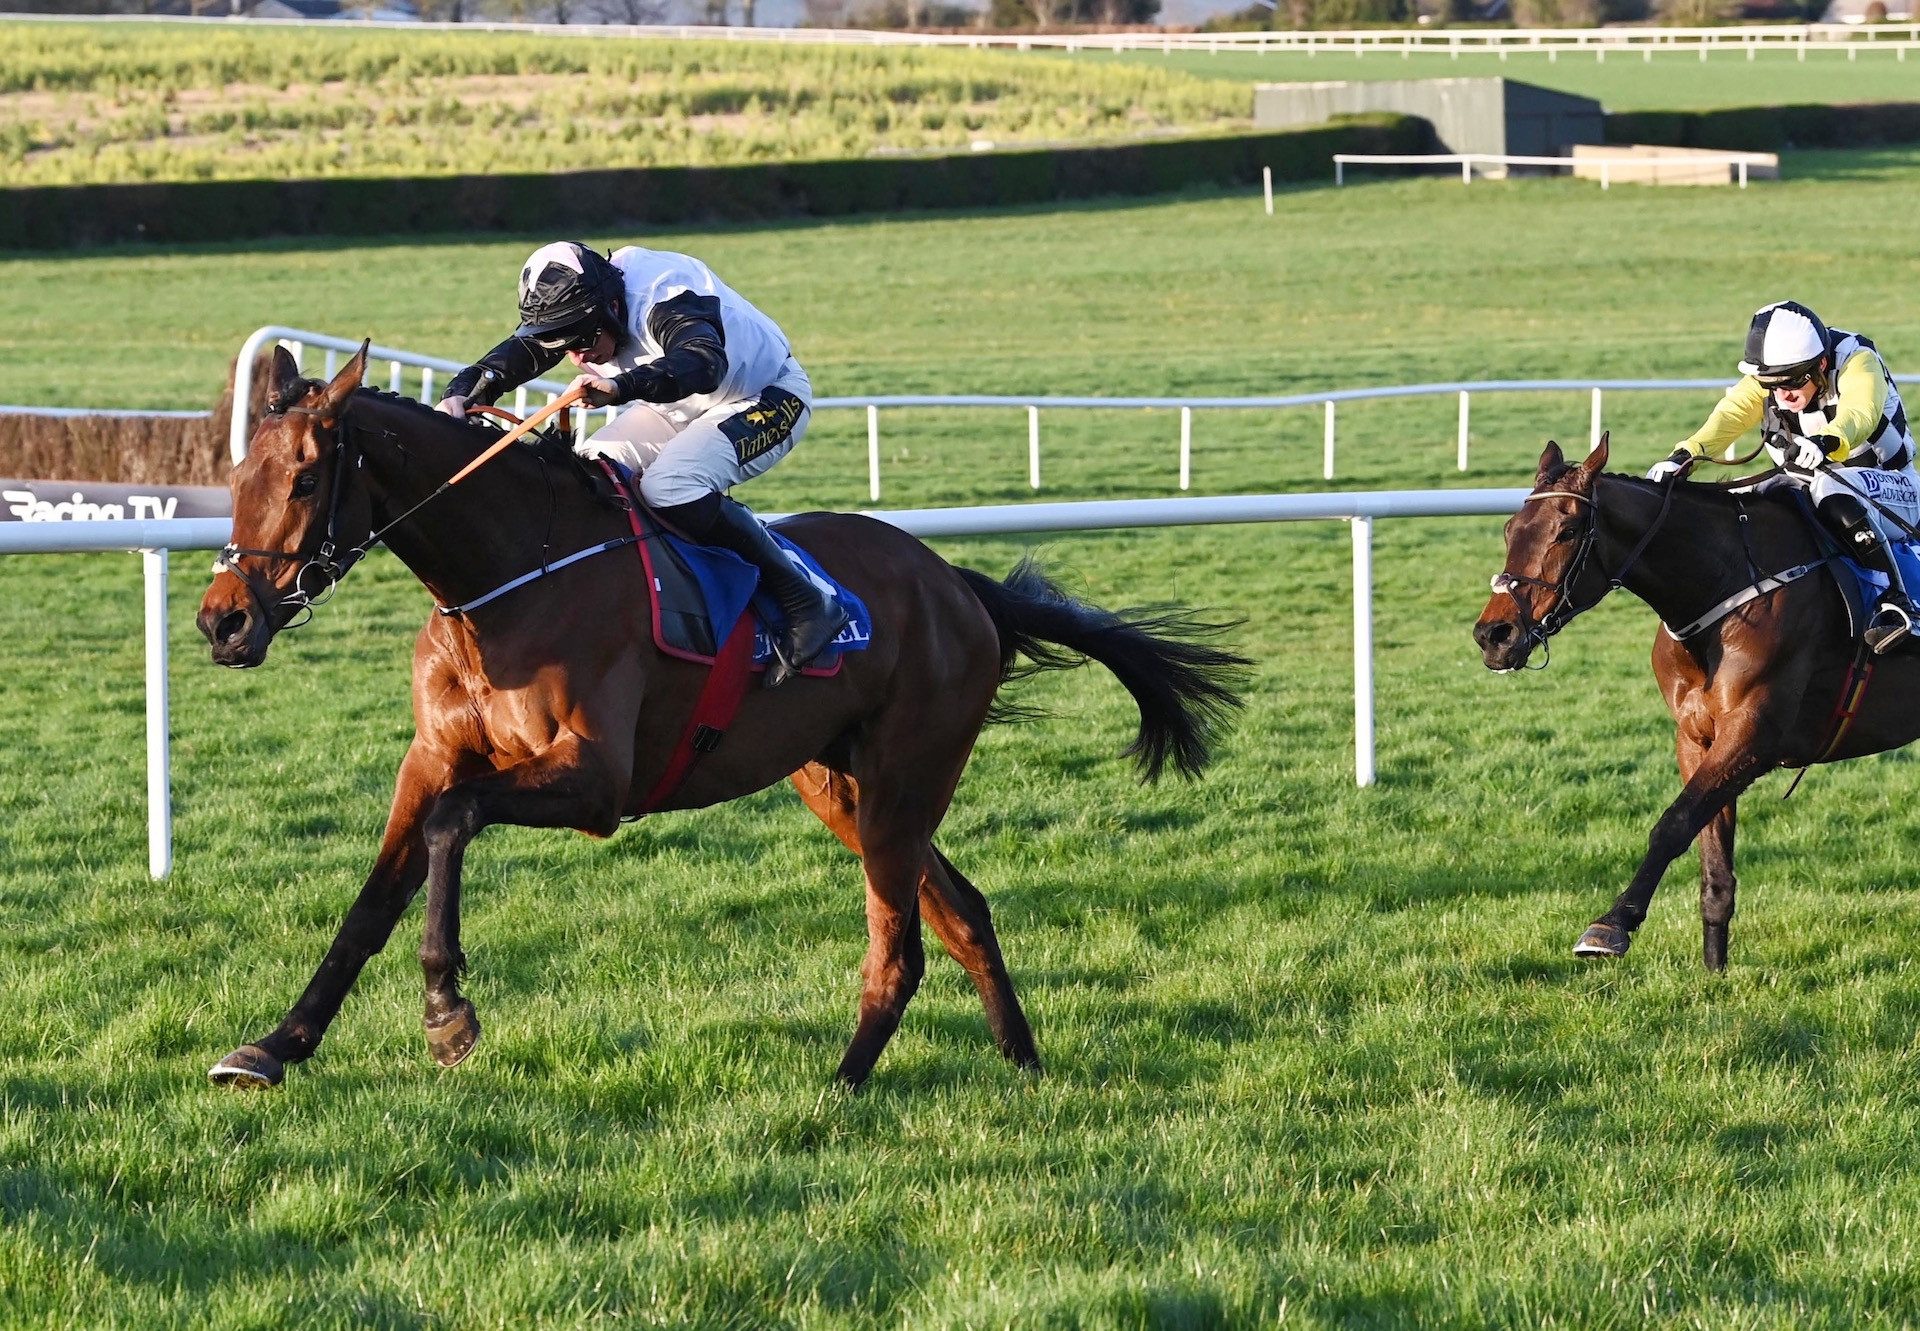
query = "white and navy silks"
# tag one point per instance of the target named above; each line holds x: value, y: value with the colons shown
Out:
x: 1881, y: 466
x: 715, y: 396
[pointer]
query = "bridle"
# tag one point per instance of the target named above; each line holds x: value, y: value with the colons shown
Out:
x: 330, y: 562
x: 1563, y: 611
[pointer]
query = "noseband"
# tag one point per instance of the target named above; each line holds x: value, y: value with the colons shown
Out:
x: 1563, y: 611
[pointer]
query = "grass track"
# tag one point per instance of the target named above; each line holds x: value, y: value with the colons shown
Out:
x: 1317, y: 1056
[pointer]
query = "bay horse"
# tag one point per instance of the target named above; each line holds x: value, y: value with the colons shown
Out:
x: 1758, y: 688
x: 552, y: 707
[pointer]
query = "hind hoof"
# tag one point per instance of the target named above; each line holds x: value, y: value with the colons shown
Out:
x: 453, y: 1037
x: 248, y: 1068
x: 1603, y: 940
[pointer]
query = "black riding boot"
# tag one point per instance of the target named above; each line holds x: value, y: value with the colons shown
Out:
x: 1894, y: 618
x: 814, y: 619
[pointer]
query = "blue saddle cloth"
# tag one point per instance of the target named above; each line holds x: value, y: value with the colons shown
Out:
x: 1859, y: 585
x: 1905, y: 553
x: 699, y: 593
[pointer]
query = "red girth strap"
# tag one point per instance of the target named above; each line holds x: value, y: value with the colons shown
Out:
x: 1853, y: 692
x: 713, y: 711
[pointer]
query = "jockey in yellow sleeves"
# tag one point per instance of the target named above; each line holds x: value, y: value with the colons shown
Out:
x: 1831, y: 419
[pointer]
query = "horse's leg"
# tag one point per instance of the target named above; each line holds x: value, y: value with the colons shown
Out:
x: 396, y: 876
x: 959, y: 915
x: 1737, y: 759
x: 952, y: 905
x: 1717, y: 887
x: 564, y: 786
x: 1716, y: 859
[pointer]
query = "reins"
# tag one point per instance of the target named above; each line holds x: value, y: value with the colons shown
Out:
x: 334, y: 564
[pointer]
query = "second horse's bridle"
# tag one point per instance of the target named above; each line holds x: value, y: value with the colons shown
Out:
x: 1563, y: 611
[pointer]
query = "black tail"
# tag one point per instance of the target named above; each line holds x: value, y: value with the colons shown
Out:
x: 1186, y: 691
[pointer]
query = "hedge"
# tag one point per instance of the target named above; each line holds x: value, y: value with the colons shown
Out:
x: 50, y: 217
x: 1770, y: 128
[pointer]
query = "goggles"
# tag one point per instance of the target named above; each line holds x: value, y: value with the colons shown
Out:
x: 1786, y: 383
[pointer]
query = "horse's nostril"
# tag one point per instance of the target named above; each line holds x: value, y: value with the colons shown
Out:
x: 232, y: 626
x: 1494, y: 635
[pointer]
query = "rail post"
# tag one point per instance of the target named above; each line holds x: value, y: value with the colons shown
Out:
x: 1362, y: 651
x: 1462, y: 454
x: 1033, y: 447
x: 159, y: 740
x: 1266, y: 186
x: 1593, y: 426
x: 1326, y: 459
x: 873, y: 452
x: 1186, y: 447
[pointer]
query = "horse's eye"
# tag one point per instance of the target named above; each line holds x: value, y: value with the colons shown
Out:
x: 305, y: 485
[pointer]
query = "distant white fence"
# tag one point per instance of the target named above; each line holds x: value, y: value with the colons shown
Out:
x: 1468, y: 161
x: 155, y: 539
x: 1896, y: 38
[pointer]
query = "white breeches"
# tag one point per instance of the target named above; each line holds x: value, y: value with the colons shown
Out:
x: 679, y: 462
x: 1896, y: 491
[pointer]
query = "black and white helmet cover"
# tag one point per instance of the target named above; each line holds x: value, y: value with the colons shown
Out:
x: 1785, y: 342
x: 567, y: 294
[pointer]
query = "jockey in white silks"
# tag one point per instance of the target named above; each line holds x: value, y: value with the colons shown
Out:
x: 717, y: 399
x: 1832, y: 420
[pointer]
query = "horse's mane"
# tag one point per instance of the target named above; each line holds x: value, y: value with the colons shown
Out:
x: 475, y: 434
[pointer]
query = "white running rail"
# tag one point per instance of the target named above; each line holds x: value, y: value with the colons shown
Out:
x: 400, y: 361
x: 154, y: 539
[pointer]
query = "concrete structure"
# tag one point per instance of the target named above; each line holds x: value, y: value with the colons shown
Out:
x: 1652, y: 164
x: 1497, y: 116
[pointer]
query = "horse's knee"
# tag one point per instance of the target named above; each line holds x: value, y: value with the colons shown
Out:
x: 453, y: 823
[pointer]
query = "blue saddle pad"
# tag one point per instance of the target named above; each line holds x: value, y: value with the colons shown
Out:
x: 728, y: 585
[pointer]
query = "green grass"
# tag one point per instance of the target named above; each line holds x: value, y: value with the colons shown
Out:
x: 1317, y: 1056
x: 1670, y: 81
x: 88, y: 104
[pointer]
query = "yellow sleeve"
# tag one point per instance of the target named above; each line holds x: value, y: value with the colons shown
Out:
x: 1732, y: 416
x: 1862, y: 390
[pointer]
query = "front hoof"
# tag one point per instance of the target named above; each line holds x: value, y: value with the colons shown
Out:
x: 1603, y: 940
x: 248, y: 1068
x: 453, y: 1037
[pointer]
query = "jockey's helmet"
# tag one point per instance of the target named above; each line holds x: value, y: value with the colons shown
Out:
x: 1785, y: 342
x: 568, y: 294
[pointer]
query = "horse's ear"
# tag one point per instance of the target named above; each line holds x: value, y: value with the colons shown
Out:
x: 1597, y: 460
x: 333, y: 398
x: 283, y: 381
x: 1551, y: 461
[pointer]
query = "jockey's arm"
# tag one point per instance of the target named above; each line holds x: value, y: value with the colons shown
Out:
x: 502, y: 370
x: 693, y: 355
x: 1732, y: 416
x: 1862, y: 390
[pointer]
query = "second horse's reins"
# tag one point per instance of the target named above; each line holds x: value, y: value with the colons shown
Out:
x: 334, y: 564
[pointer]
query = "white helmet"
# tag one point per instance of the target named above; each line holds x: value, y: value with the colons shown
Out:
x: 1785, y: 342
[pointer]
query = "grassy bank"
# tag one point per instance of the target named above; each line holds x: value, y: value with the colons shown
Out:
x: 81, y: 105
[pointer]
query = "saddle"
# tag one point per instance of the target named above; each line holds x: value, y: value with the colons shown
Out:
x: 699, y: 594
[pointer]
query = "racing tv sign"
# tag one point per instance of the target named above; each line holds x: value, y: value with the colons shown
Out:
x: 92, y: 501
